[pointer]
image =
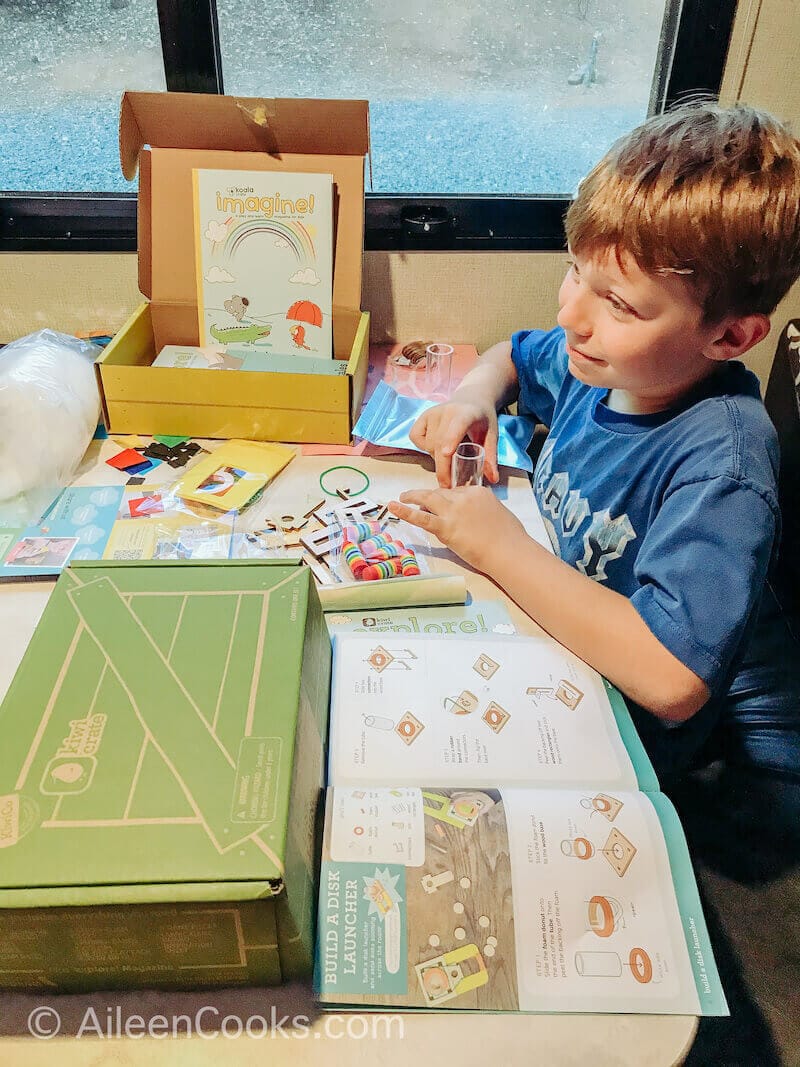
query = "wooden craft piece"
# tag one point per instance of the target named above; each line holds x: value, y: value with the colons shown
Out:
x: 292, y: 522
x: 318, y: 542
x: 318, y: 569
x: 311, y: 511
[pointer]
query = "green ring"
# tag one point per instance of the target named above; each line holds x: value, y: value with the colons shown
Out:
x: 330, y: 470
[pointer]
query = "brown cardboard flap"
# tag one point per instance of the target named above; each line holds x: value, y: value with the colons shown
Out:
x: 145, y: 256
x: 240, y: 124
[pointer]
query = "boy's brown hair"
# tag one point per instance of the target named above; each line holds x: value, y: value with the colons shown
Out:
x: 707, y: 192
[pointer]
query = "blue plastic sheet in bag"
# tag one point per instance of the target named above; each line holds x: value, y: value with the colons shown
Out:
x: 388, y: 417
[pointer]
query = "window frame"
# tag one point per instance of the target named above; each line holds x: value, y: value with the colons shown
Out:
x: 68, y: 221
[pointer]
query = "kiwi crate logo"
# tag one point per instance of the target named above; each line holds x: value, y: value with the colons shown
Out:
x: 72, y: 768
x: 18, y: 815
x: 9, y: 820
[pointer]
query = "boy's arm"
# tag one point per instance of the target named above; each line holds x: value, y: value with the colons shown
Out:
x: 494, y: 376
x: 596, y: 623
x: 471, y: 411
x: 599, y: 625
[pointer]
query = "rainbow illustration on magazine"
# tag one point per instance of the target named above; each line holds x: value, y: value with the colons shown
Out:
x: 264, y: 261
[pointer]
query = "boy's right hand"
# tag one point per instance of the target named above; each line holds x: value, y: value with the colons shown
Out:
x: 441, y: 429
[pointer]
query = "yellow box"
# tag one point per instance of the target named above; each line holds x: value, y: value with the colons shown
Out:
x: 166, y: 135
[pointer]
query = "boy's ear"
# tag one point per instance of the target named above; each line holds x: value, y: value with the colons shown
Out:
x: 736, y: 335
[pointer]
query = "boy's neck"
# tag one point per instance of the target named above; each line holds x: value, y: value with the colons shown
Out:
x: 626, y: 403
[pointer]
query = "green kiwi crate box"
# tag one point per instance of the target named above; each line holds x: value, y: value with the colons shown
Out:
x: 162, y: 757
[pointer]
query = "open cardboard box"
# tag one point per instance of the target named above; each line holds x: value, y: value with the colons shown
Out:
x: 167, y: 135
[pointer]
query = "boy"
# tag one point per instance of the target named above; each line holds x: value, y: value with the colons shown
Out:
x: 657, y: 482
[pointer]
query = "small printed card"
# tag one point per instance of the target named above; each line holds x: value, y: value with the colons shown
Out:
x: 194, y: 358
x: 264, y: 260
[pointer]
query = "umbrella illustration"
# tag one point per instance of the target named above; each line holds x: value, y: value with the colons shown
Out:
x: 305, y: 311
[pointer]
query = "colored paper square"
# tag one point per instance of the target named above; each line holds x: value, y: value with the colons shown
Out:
x: 128, y: 440
x: 142, y: 506
x: 129, y: 457
x: 157, y: 451
x: 170, y: 442
x: 140, y: 468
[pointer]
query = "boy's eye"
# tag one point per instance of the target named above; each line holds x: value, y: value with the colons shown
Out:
x: 617, y: 305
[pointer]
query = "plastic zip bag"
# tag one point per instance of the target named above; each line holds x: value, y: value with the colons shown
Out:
x: 388, y: 417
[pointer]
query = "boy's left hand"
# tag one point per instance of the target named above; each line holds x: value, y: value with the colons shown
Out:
x: 469, y: 520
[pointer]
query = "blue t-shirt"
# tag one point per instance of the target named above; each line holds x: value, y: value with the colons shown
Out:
x: 678, y: 511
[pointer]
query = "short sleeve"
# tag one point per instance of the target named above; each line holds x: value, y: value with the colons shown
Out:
x: 540, y: 360
x: 701, y: 570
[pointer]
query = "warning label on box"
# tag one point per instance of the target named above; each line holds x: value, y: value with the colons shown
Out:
x: 257, y: 777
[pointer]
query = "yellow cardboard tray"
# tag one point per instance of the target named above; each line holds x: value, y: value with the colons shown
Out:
x: 258, y: 406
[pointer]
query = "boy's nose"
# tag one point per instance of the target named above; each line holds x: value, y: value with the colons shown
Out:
x: 572, y: 317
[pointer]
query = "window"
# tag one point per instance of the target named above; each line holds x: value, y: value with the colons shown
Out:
x: 483, y: 118
x: 492, y: 98
x: 63, y: 66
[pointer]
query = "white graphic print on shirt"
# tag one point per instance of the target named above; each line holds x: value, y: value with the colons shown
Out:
x: 565, y: 510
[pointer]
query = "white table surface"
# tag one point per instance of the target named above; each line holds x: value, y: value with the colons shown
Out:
x: 348, y: 1039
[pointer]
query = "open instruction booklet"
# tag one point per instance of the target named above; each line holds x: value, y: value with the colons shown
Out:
x: 495, y: 839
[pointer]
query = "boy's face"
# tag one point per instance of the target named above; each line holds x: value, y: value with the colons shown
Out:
x: 642, y: 336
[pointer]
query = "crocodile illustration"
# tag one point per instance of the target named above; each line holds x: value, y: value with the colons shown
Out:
x: 246, y: 335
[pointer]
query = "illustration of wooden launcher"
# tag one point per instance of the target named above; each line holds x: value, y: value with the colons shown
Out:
x: 444, y: 977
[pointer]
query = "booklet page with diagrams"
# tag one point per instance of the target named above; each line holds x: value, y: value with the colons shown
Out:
x: 495, y: 838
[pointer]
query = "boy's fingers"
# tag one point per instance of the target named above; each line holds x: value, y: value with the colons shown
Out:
x: 444, y: 454
x: 455, y: 436
x: 415, y: 516
x: 444, y: 462
x: 422, y: 498
x: 419, y: 431
x: 490, y: 468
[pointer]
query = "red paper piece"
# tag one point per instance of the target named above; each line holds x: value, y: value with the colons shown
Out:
x: 128, y: 458
x: 145, y: 505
